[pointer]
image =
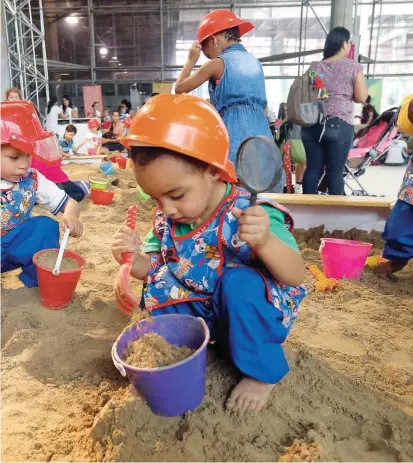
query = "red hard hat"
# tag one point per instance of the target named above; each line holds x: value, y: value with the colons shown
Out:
x: 185, y: 124
x: 93, y: 123
x: 220, y: 20
x: 127, y: 122
x: 21, y: 128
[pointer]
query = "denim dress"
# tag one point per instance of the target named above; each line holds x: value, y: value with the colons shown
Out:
x: 240, y: 99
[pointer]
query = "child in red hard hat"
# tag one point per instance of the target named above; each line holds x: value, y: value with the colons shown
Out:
x: 92, y: 144
x: 236, y: 79
x: 210, y: 254
x: 21, y: 187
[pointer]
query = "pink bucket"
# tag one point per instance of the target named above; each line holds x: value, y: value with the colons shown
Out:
x: 343, y: 258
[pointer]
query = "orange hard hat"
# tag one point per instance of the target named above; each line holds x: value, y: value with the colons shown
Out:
x: 21, y: 128
x: 185, y: 124
x: 220, y: 20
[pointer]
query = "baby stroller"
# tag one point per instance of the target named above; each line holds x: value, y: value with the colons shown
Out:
x: 370, y: 146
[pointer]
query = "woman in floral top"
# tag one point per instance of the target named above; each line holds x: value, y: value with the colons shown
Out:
x: 345, y: 83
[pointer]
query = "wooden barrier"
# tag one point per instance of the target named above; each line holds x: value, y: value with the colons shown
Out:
x: 336, y: 212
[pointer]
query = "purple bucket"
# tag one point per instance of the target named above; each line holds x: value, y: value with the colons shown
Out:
x: 176, y: 389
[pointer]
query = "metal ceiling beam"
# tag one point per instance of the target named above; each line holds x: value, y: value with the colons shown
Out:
x: 285, y: 56
x: 26, y: 48
x: 57, y: 65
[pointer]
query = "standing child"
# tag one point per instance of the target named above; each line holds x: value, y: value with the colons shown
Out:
x: 398, y: 232
x: 291, y: 133
x: 236, y: 79
x: 21, y: 187
x: 210, y: 254
x: 93, y: 142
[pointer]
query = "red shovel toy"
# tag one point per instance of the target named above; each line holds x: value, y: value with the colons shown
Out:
x: 125, y: 299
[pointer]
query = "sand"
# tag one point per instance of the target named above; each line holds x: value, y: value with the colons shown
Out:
x: 153, y: 351
x: 48, y: 260
x: 349, y: 395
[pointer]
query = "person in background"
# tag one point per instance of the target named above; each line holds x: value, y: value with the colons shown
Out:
x: 111, y: 139
x: 22, y: 235
x: 53, y: 172
x: 291, y: 133
x: 369, y: 112
x: 13, y: 94
x: 68, y: 110
x: 66, y: 142
x: 106, y: 116
x: 327, y: 144
x: 124, y: 108
x: 398, y: 232
x: 53, y: 113
x: 236, y: 79
x: 398, y: 152
x: 95, y: 111
x: 271, y: 120
x: 92, y: 144
x: 282, y: 111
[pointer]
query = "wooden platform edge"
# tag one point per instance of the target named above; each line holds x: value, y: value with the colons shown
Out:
x: 333, y: 201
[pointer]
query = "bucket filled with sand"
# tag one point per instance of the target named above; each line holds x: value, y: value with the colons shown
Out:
x: 56, y: 292
x: 165, y: 360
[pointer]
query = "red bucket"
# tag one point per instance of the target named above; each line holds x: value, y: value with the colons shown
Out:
x: 101, y: 197
x: 57, y: 292
x: 122, y: 162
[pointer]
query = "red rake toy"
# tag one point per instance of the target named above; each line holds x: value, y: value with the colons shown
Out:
x: 287, y: 168
x: 125, y: 299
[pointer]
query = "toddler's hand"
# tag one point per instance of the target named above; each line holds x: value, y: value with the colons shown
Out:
x: 194, y: 52
x: 74, y: 224
x: 125, y: 240
x: 254, y: 226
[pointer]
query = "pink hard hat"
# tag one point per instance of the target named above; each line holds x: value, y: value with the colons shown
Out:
x: 93, y: 123
x: 21, y: 128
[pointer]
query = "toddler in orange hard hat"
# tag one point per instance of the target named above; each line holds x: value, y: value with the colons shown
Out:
x: 236, y: 79
x: 22, y: 235
x: 210, y: 254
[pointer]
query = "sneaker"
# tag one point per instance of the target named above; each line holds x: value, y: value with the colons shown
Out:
x: 298, y: 189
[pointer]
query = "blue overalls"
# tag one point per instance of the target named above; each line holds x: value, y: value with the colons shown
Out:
x: 22, y: 235
x: 240, y: 99
x: 211, y: 273
x: 398, y: 232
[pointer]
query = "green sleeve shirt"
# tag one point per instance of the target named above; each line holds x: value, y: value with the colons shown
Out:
x: 277, y: 227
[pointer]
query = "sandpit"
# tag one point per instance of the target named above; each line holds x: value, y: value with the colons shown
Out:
x: 349, y: 395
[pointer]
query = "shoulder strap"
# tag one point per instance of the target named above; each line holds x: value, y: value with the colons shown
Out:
x: 313, y: 66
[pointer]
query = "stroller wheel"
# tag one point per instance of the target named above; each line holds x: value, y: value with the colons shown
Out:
x: 358, y: 193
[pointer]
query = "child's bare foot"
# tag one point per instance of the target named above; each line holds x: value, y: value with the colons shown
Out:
x: 249, y: 394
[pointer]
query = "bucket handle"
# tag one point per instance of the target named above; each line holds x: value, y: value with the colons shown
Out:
x: 204, y: 325
x: 116, y: 361
x: 320, y: 249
